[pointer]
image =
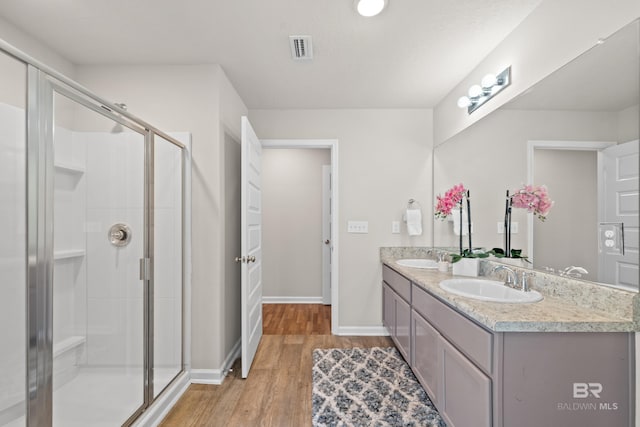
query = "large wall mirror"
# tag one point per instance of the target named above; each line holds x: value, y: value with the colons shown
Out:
x: 576, y: 132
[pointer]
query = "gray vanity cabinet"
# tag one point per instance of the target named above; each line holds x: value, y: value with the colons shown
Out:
x: 396, y: 301
x: 460, y: 389
x: 481, y: 378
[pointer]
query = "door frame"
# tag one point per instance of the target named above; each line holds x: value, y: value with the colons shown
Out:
x: 332, y: 145
x: 327, y: 224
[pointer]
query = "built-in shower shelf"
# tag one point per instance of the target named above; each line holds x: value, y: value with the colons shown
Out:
x: 67, y: 168
x: 72, y: 253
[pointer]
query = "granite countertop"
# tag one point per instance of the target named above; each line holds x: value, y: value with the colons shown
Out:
x: 589, y: 309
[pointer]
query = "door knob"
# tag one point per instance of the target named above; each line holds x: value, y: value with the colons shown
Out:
x: 240, y: 259
x: 251, y: 259
x: 326, y: 242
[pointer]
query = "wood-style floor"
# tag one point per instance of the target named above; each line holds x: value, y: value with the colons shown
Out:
x: 278, y: 390
x: 296, y: 319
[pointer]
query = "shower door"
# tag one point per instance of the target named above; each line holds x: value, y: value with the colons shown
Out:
x: 13, y: 258
x: 100, y: 271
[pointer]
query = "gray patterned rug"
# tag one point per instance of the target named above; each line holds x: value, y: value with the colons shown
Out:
x: 368, y: 387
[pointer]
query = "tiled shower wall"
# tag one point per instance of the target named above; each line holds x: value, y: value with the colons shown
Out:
x: 98, y: 306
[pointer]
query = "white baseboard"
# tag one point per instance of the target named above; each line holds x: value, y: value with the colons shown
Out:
x: 207, y: 376
x: 216, y: 376
x: 291, y: 300
x: 376, y: 331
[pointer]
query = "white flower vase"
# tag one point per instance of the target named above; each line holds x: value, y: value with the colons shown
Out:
x: 466, y: 267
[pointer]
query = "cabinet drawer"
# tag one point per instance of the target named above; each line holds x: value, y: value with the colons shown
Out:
x: 397, y: 282
x: 470, y: 338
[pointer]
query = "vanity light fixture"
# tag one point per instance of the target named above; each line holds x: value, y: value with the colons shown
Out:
x: 490, y: 85
x: 370, y: 7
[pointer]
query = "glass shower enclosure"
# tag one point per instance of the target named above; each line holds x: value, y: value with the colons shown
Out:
x: 92, y: 270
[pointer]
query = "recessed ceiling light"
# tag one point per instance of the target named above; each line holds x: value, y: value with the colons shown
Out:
x: 370, y: 7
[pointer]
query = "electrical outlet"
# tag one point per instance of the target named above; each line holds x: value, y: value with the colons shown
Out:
x: 514, y: 228
x: 395, y: 227
x: 357, y: 226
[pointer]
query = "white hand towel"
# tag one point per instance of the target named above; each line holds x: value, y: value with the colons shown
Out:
x: 414, y: 222
x: 455, y: 215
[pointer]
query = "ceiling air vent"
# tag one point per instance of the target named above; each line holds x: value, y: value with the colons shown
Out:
x: 301, y: 47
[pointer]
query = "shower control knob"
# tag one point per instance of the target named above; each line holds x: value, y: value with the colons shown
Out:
x: 119, y: 235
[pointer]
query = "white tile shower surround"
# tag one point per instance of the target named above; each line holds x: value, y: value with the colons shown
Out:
x: 92, y: 298
x: 99, y: 397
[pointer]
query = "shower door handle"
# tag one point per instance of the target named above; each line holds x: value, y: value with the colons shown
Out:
x: 145, y: 269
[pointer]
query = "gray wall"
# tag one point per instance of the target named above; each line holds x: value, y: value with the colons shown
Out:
x: 490, y: 157
x: 384, y: 159
x: 566, y: 239
x: 231, y: 288
x: 292, y: 221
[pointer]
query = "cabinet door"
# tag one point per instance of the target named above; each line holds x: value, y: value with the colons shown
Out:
x: 465, y: 394
x: 403, y: 328
x: 425, y: 346
x: 388, y: 309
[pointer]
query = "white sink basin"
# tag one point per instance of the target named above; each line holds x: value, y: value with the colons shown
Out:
x: 418, y: 263
x: 489, y: 290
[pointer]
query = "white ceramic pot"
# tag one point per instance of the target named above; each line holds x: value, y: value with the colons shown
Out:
x: 466, y: 267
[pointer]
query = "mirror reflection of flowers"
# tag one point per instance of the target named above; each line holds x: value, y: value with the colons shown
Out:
x: 534, y: 199
x: 450, y: 200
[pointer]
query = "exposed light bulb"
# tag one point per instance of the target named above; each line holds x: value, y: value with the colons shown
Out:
x: 475, y: 91
x: 489, y: 81
x: 370, y: 7
x: 464, y: 102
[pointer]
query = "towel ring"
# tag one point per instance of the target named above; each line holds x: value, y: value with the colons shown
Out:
x: 413, y: 204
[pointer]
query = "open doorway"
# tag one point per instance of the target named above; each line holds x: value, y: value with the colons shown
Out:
x: 595, y: 187
x: 299, y: 243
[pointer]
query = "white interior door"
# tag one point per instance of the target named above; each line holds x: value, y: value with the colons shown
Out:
x: 251, y: 236
x: 618, y: 230
x: 327, y: 245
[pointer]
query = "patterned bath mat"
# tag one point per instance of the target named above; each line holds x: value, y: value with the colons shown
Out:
x: 368, y: 387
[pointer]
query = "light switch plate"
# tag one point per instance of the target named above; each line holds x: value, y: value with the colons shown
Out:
x: 357, y: 226
x: 395, y: 227
x: 514, y: 228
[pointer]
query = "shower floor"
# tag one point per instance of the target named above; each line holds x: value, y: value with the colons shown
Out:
x: 99, y: 397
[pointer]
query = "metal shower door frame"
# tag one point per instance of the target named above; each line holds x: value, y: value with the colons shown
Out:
x: 41, y: 86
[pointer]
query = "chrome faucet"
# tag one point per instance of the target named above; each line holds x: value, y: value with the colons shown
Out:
x: 573, y: 271
x: 512, y: 278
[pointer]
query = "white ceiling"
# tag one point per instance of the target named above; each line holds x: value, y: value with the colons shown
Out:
x: 410, y: 56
